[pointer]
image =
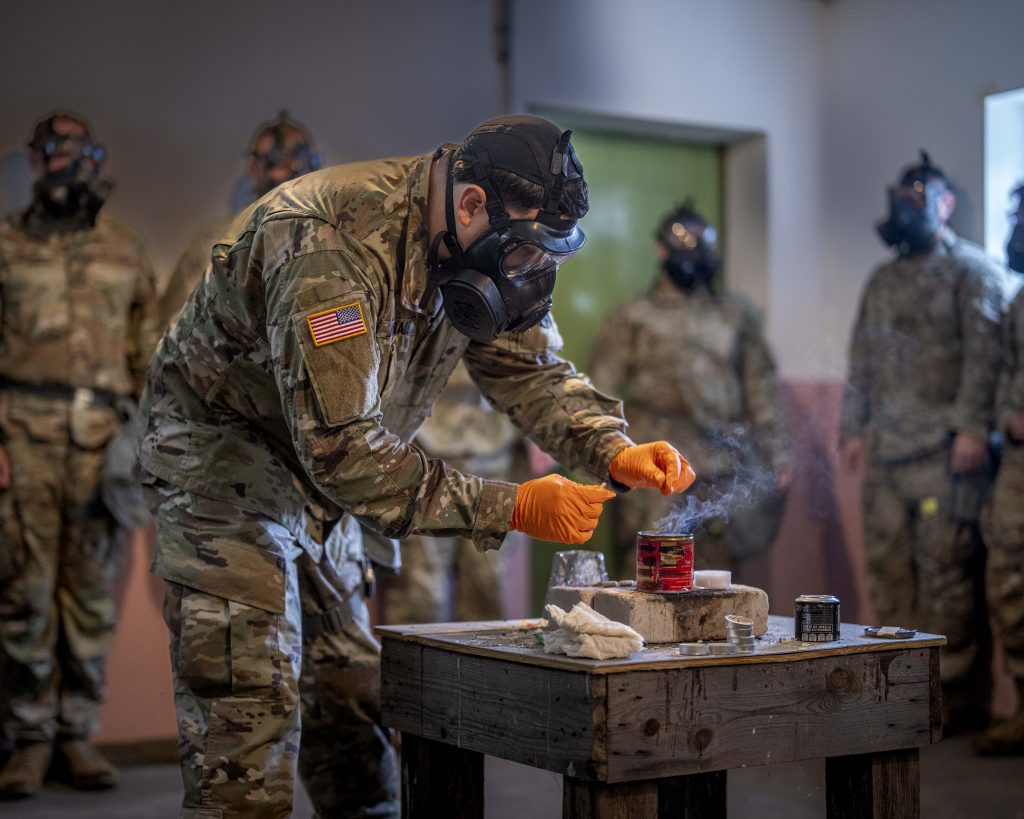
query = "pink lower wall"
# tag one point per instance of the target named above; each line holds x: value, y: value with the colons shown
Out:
x: 820, y: 549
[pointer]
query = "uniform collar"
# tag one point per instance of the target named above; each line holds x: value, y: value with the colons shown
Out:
x: 417, y: 239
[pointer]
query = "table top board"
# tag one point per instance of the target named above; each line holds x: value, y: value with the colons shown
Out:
x: 515, y: 641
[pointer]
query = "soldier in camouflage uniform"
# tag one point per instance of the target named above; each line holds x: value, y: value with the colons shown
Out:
x: 467, y: 433
x: 1003, y: 518
x: 279, y: 408
x: 280, y: 150
x: 77, y: 327
x: 922, y: 373
x: 713, y: 395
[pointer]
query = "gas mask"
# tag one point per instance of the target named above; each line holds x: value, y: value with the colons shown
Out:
x: 914, y: 220
x: 504, y: 280
x: 291, y: 151
x: 1015, y: 247
x: 74, y: 193
x: 691, y: 244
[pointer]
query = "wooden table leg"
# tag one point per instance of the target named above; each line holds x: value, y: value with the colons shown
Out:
x: 698, y: 796
x: 440, y: 781
x: 586, y: 799
x: 873, y: 786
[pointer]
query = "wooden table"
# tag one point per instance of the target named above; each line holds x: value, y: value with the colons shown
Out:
x: 653, y: 735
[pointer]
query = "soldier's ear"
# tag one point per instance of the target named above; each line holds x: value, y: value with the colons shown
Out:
x: 470, y: 204
x: 35, y: 163
x: 946, y: 204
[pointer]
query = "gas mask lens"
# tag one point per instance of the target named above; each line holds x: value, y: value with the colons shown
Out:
x: 74, y: 147
x: 526, y: 259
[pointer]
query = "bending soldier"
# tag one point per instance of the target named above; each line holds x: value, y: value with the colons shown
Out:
x: 279, y: 409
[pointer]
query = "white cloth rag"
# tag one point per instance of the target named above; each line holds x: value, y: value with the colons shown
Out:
x: 583, y: 632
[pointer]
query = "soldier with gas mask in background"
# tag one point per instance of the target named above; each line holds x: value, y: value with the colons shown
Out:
x: 693, y: 368
x: 1003, y: 518
x: 279, y: 409
x: 77, y: 327
x: 280, y: 150
x: 923, y: 365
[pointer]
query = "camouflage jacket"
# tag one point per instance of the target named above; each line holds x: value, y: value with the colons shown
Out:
x: 925, y: 351
x: 1010, y: 395
x: 191, y: 267
x: 312, y: 350
x: 77, y: 308
x: 694, y: 368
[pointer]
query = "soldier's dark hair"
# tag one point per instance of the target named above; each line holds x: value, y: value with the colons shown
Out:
x: 518, y: 194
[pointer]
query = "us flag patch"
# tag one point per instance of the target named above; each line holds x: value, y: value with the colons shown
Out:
x: 333, y: 325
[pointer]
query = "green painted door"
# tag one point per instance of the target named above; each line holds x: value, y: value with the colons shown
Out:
x: 634, y: 181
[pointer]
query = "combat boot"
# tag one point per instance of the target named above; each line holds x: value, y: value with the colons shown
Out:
x: 1006, y: 739
x: 25, y: 771
x: 86, y: 766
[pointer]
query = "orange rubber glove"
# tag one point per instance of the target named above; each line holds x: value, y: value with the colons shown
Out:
x: 652, y: 466
x: 558, y: 510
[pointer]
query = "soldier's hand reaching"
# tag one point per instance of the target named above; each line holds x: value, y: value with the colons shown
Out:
x: 556, y: 509
x: 969, y: 453
x: 653, y: 466
x: 5, y: 469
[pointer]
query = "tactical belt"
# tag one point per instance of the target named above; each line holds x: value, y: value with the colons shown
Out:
x: 333, y: 621
x: 86, y: 395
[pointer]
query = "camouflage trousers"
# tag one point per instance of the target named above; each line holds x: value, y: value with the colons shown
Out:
x: 276, y: 671
x: 924, y: 570
x: 59, y: 561
x: 1003, y: 525
x: 434, y: 568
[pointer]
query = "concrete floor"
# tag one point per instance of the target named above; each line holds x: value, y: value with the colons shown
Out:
x: 955, y: 784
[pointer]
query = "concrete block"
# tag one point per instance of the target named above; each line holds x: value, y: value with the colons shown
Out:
x: 680, y: 617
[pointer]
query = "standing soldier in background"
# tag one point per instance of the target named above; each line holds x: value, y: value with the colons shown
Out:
x: 694, y: 369
x: 280, y: 150
x: 923, y: 366
x: 465, y: 432
x: 77, y: 327
x: 1003, y: 519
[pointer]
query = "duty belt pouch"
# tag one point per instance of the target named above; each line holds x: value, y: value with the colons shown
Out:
x: 970, y: 489
x: 92, y: 424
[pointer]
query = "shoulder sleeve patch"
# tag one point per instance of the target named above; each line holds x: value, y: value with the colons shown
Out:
x: 336, y: 324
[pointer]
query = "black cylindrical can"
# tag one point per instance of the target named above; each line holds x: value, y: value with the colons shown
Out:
x: 817, y: 618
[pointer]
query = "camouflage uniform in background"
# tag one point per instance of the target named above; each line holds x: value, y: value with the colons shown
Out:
x: 191, y: 267
x: 923, y: 366
x: 78, y: 317
x: 468, y: 435
x: 254, y: 430
x: 694, y: 369
x: 1004, y: 524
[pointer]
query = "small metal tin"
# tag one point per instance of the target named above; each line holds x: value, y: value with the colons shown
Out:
x: 694, y: 649
x: 664, y: 561
x: 816, y: 618
x: 742, y: 640
x: 721, y: 648
x: 738, y: 620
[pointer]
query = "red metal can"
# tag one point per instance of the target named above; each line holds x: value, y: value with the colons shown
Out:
x: 664, y: 562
